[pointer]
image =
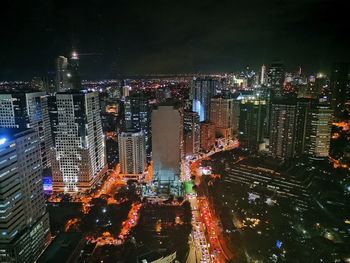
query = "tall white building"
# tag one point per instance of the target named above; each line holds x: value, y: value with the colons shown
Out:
x: 80, y: 160
x: 132, y: 154
x: 24, y: 223
x: 29, y: 110
x: 167, y: 147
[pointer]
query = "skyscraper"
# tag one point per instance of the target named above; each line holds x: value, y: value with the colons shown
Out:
x: 202, y: 90
x: 319, y: 128
x: 263, y: 76
x: 73, y: 68
x: 80, y: 160
x: 282, y: 129
x: 29, y: 110
x: 207, y: 138
x: 191, y: 133
x: 251, y: 122
x: 62, y: 74
x: 24, y: 223
x: 222, y: 115
x: 132, y: 154
x: 167, y: 147
x: 339, y: 85
x: 138, y: 117
x: 275, y: 78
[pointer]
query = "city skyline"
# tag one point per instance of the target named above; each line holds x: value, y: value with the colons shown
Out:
x: 199, y: 36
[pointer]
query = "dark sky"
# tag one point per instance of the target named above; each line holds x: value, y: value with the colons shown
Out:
x: 163, y: 36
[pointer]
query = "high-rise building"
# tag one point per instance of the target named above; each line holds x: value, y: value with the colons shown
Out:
x: 202, y: 90
x: 282, y: 129
x: 24, y: 222
x: 251, y: 122
x: 275, y: 78
x: 222, y: 115
x: 138, y: 117
x: 73, y: 68
x: 191, y: 133
x: 80, y: 161
x: 167, y: 147
x: 132, y: 154
x: 263, y: 76
x: 339, y: 85
x: 62, y: 74
x: 29, y: 110
x: 207, y: 137
x: 319, y: 128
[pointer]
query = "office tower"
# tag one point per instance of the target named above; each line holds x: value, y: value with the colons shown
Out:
x: 338, y: 86
x: 318, y: 131
x: 202, y: 90
x: 73, y: 68
x: 235, y: 117
x: 251, y: 122
x: 304, y: 107
x: 191, y: 133
x: 222, y: 115
x: 24, y: 223
x: 275, y: 78
x: 80, y: 161
x: 167, y: 147
x: 263, y: 76
x: 132, y: 154
x: 138, y: 116
x: 29, y: 110
x: 207, y: 138
x: 282, y: 130
x: 62, y: 74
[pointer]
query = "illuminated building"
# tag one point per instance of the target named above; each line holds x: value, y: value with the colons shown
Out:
x: 29, y: 110
x: 319, y: 128
x: 202, y: 90
x: 80, y: 161
x: 339, y: 85
x: 282, y: 129
x: 24, y: 223
x: 275, y: 78
x: 207, y: 138
x: 138, y: 116
x: 191, y: 133
x: 222, y: 115
x: 132, y: 154
x: 263, y: 76
x: 167, y: 148
x: 251, y: 122
x: 62, y: 74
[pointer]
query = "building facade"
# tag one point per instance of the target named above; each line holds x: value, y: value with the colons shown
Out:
x: 251, y: 122
x: 80, y: 161
x: 167, y: 147
x: 207, y: 135
x: 191, y: 133
x: 138, y: 117
x: 223, y: 116
x: 132, y: 154
x: 29, y: 110
x: 24, y: 222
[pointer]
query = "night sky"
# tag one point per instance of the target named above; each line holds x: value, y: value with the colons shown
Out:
x: 171, y: 36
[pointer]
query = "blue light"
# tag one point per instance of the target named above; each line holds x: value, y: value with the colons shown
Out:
x: 2, y: 140
x: 278, y: 244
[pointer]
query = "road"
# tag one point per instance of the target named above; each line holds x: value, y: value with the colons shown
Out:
x: 206, y: 237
